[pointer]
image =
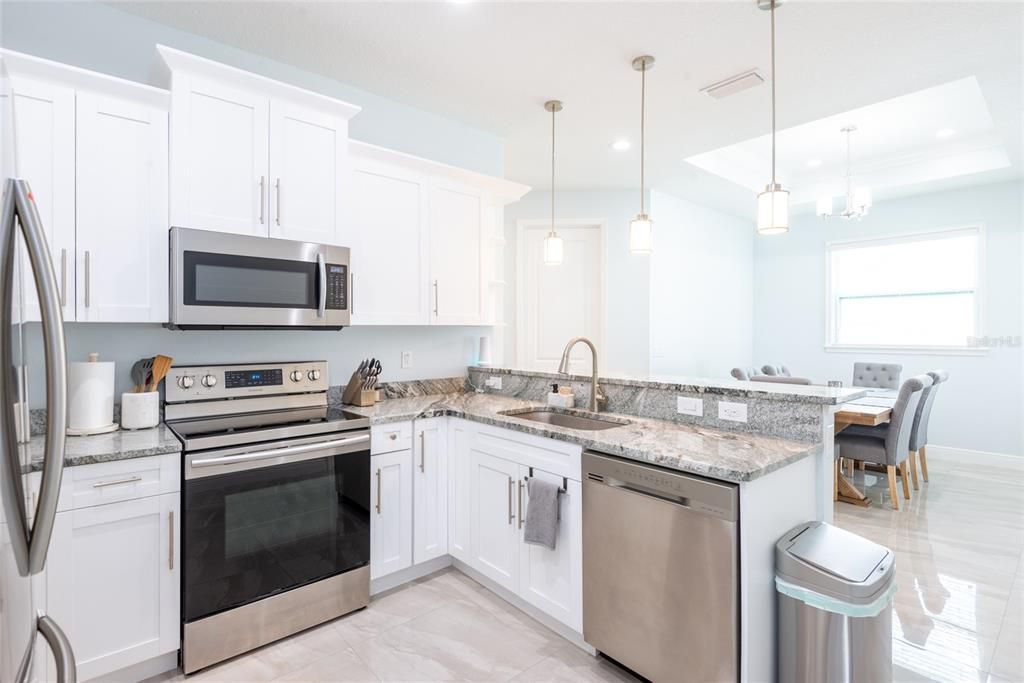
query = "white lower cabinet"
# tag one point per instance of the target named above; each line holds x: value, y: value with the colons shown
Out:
x: 460, y: 473
x: 430, y: 489
x: 112, y: 581
x: 391, y: 495
x: 495, y: 537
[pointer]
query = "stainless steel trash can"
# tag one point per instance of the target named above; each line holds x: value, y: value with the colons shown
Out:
x: 835, y: 590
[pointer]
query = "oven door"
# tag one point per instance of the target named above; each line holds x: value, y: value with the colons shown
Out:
x: 223, y: 280
x: 258, y: 522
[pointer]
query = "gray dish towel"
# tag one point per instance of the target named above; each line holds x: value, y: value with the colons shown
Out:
x: 542, y: 513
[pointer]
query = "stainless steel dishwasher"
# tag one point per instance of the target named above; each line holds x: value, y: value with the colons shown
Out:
x: 660, y: 570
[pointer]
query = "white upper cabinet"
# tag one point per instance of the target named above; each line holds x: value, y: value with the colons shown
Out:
x: 121, y: 210
x: 219, y: 157
x: 457, y: 255
x: 253, y: 156
x: 310, y: 175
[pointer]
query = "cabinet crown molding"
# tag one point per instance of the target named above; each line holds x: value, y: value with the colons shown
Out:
x: 179, y: 61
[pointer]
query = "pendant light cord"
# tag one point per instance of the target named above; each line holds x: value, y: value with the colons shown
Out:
x: 643, y: 111
x: 773, y: 92
x: 849, y: 171
x: 552, y: 171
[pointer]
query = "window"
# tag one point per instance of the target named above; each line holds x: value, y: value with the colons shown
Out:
x: 916, y: 291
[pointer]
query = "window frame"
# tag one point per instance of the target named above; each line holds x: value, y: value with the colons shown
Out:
x: 831, y: 318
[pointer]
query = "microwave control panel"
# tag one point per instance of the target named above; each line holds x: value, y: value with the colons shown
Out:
x: 337, y: 287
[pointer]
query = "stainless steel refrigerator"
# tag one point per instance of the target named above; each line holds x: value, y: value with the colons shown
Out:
x: 28, y: 488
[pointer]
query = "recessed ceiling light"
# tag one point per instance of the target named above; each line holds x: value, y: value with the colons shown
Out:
x: 814, y: 163
x: 944, y: 132
x: 620, y: 145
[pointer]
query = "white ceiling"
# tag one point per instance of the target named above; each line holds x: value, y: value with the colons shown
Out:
x: 492, y: 65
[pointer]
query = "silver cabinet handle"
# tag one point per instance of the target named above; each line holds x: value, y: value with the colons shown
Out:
x: 511, y: 517
x: 115, y: 482
x: 263, y: 196
x: 88, y: 278
x: 170, y: 541
x: 61, y: 647
x: 437, y: 298
x: 278, y: 452
x: 277, y: 208
x: 63, y: 277
x: 321, y: 269
x: 423, y: 451
x: 521, y: 504
x: 378, y: 490
x: 29, y: 547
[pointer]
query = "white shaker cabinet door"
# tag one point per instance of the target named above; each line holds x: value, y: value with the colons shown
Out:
x: 112, y: 582
x: 495, y: 538
x: 460, y: 486
x: 121, y: 211
x: 456, y: 256
x: 44, y: 155
x: 219, y: 157
x: 430, y: 489
x: 391, y: 515
x: 309, y: 175
x: 390, y: 268
x: 552, y: 580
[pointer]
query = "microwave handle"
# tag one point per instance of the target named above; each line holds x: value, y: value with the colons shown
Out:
x: 321, y: 268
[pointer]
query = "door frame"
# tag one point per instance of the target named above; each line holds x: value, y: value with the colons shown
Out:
x: 522, y: 225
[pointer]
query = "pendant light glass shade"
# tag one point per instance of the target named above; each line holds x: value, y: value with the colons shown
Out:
x: 554, y: 249
x: 773, y: 211
x: 640, y: 234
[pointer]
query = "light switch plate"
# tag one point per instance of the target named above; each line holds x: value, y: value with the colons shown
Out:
x: 736, y: 412
x: 493, y: 382
x: 690, y: 406
x: 406, y: 359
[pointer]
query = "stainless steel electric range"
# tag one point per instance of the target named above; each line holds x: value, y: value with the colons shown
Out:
x: 275, y: 501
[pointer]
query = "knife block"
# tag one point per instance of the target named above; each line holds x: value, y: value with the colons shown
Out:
x: 355, y: 395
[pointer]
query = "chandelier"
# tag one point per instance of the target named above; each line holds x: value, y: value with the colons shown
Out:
x: 858, y: 199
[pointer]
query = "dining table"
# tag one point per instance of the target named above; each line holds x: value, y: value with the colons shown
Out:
x: 870, y: 410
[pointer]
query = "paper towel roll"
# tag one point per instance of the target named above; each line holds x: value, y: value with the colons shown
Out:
x: 90, y: 395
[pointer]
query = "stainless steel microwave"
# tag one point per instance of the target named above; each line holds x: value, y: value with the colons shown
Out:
x: 222, y: 280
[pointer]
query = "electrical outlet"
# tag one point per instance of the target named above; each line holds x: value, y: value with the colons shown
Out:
x: 736, y: 412
x: 690, y: 406
x: 406, y: 359
x: 493, y: 382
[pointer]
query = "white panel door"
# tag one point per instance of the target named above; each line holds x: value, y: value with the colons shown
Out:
x: 390, y: 261
x: 391, y: 517
x: 121, y: 213
x: 456, y: 256
x: 559, y: 302
x: 310, y: 175
x: 44, y: 155
x: 112, y: 582
x: 430, y: 489
x: 460, y: 487
x: 495, y: 536
x: 552, y: 580
x: 219, y: 157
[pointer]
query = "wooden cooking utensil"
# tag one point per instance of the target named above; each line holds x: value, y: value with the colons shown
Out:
x: 161, y: 366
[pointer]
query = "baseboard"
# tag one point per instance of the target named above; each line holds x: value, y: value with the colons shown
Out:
x: 142, y: 670
x: 418, y: 571
x: 523, y: 606
x: 952, y: 452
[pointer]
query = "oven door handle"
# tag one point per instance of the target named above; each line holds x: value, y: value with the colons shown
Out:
x: 280, y: 452
x: 321, y: 269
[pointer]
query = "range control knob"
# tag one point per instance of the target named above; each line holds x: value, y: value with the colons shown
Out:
x: 186, y: 381
x: 296, y: 375
x: 209, y: 381
x: 313, y: 375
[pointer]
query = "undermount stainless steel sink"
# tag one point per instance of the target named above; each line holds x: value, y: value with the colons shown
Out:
x: 567, y: 418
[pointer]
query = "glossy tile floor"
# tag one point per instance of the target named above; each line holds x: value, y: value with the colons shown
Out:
x: 959, y: 609
x: 445, y: 627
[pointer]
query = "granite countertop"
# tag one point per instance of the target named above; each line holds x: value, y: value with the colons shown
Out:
x: 120, y: 445
x: 729, y: 456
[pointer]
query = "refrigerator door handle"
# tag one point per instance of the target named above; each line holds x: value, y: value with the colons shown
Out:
x: 61, y: 647
x: 56, y: 373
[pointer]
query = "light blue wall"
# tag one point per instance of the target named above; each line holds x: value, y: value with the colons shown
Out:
x: 980, y: 407
x: 94, y: 36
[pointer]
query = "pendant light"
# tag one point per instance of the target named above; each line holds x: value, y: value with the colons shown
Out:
x: 640, y: 227
x: 773, y: 203
x: 553, y: 245
x: 858, y: 199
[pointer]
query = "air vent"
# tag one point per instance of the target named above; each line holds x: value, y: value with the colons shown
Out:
x: 734, y: 84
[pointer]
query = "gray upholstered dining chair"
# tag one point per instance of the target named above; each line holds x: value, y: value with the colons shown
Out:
x: 877, y: 375
x: 919, y: 435
x: 778, y: 379
x: 745, y: 374
x: 889, y: 444
x: 775, y: 370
